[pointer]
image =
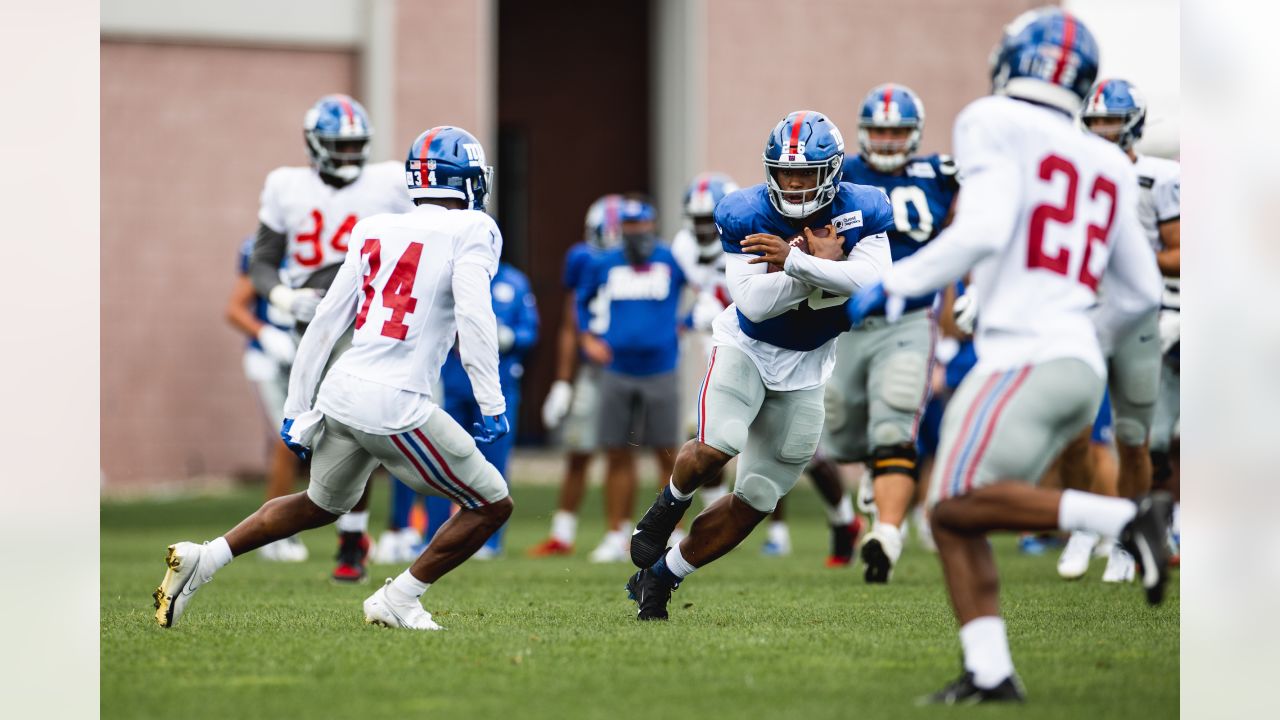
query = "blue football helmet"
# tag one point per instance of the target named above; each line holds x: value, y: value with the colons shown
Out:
x: 705, y: 191
x: 804, y: 140
x: 1116, y: 99
x: 337, y: 133
x: 890, y: 106
x: 1046, y: 56
x: 603, y: 227
x: 448, y: 162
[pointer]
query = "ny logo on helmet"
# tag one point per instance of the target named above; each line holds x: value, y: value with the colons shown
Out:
x: 475, y: 154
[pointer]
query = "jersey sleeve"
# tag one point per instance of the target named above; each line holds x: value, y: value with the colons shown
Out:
x: 948, y: 173
x: 1167, y: 192
x: 333, y: 316
x: 576, y: 262
x: 479, y: 243
x: 729, y: 217
x: 589, y: 282
x: 270, y: 208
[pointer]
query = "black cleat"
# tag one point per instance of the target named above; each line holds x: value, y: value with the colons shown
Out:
x: 1146, y: 539
x: 353, y: 558
x: 964, y: 692
x: 877, y: 561
x: 649, y: 540
x: 651, y: 595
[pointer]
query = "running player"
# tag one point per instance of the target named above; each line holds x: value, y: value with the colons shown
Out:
x: 1046, y: 211
x: 410, y: 282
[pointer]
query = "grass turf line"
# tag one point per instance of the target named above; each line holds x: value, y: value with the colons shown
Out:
x: 750, y: 637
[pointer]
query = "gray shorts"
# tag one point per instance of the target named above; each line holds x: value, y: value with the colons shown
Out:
x: 1009, y: 425
x: 1165, y: 426
x: 438, y: 458
x: 580, y: 430
x: 640, y: 411
x: 880, y: 386
x: 1134, y: 379
x: 775, y: 431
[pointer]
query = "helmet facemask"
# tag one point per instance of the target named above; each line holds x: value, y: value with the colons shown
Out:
x: 789, y: 192
x: 339, y: 156
x: 888, y: 155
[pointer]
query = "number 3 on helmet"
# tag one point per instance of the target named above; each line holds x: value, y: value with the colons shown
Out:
x: 448, y: 162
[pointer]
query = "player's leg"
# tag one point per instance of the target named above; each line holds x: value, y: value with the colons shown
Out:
x: 273, y: 388
x: 1165, y: 442
x: 844, y: 524
x: 397, y: 542
x: 340, y: 469
x: 581, y: 440
x: 780, y: 442
x: 1076, y: 468
x: 728, y: 401
x: 660, y: 428
x: 844, y: 436
x: 498, y: 453
x: 1134, y: 381
x: 619, y: 418
x: 439, y: 458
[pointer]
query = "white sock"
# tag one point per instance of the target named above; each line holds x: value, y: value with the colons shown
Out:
x: 564, y: 526
x: 1106, y: 516
x: 219, y: 553
x: 406, y: 588
x: 887, y: 530
x: 779, y: 533
x: 842, y: 513
x: 986, y: 651
x: 1176, y: 525
x: 712, y: 494
x: 681, y: 496
x: 353, y: 522
x: 677, y: 564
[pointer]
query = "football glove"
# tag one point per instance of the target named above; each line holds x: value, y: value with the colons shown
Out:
x: 300, y: 303
x: 278, y: 344
x: 705, y: 310
x: 556, y: 406
x: 506, y: 338
x: 965, y: 311
x: 872, y: 298
x: 298, y: 433
x: 490, y: 428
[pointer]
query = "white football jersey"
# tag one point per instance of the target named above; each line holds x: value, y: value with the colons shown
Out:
x: 1047, y: 209
x: 702, y: 276
x: 317, y: 218
x: 1159, y: 202
x: 410, y: 282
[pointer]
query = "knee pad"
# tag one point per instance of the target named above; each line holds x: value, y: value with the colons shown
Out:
x: 732, y: 433
x: 900, y: 458
x: 803, y: 434
x: 1131, y: 431
x: 758, y: 492
x: 903, y: 380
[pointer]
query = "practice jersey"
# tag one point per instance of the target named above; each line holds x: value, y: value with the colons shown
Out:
x: 577, y: 263
x: 262, y: 310
x: 1159, y: 202
x: 704, y: 270
x: 1046, y: 209
x: 410, y: 282
x: 513, y: 307
x: 317, y: 218
x: 643, y: 306
x: 921, y: 197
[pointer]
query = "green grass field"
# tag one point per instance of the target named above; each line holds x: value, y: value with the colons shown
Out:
x: 749, y: 637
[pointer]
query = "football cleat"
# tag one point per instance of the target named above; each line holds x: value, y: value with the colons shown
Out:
x: 880, y: 552
x: 651, y: 595
x: 1074, y: 561
x: 610, y: 550
x: 1119, y: 567
x: 844, y: 538
x: 963, y: 692
x: 778, y: 543
x: 395, y: 547
x: 181, y: 580
x: 353, y: 558
x: 379, y: 609
x: 649, y: 540
x: 1145, y: 538
x: 289, y: 549
x: 549, y: 548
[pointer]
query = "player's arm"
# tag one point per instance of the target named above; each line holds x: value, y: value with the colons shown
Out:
x: 865, y: 265
x: 477, y: 325
x: 759, y: 294
x: 264, y: 264
x: 1170, y: 257
x: 567, y: 339
x: 1131, y: 285
x: 334, y: 315
x: 1168, y: 201
x: 593, y: 346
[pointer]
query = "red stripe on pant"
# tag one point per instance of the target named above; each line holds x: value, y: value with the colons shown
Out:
x: 702, y: 399
x: 991, y: 426
x: 426, y: 477
x: 978, y: 401
x: 447, y: 471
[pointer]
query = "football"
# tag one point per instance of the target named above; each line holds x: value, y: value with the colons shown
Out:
x: 801, y: 243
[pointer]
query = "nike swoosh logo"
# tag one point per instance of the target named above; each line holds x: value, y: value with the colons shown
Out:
x: 1146, y: 338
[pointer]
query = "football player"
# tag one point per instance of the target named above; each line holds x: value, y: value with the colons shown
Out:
x: 410, y: 282
x: 1048, y: 214
x: 304, y: 225
x: 774, y: 347
x: 267, y: 358
x: 574, y: 396
x: 641, y: 284
x: 881, y: 384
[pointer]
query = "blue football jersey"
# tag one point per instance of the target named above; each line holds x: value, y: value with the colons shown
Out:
x: 921, y: 198
x: 576, y: 263
x: 856, y: 212
x: 643, y: 310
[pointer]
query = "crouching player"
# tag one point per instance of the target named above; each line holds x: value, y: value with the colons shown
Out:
x: 774, y: 348
x: 409, y: 282
x: 1048, y: 214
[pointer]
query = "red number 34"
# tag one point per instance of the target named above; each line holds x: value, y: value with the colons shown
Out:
x: 397, y: 295
x: 1037, y: 256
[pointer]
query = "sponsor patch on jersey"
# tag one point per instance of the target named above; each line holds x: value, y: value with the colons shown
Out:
x: 847, y: 221
x: 1146, y: 182
x: 921, y: 170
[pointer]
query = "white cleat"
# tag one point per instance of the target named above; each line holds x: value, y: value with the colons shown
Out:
x: 610, y: 550
x: 181, y: 581
x: 1120, y: 567
x: 289, y: 549
x: 1074, y: 561
x: 380, y: 610
x: 395, y: 547
x: 880, y: 552
x: 485, y: 553
x: 778, y: 543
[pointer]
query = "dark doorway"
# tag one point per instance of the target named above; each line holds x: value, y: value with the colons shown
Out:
x: 573, y: 124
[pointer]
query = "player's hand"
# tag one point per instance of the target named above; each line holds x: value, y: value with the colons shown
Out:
x: 965, y: 311
x: 705, y: 310
x: 278, y: 344
x: 556, y: 406
x: 506, y: 338
x: 300, y: 303
x: 490, y: 428
x: 873, y: 298
x: 596, y: 349
x: 771, y: 249
x: 294, y: 444
x: 828, y: 247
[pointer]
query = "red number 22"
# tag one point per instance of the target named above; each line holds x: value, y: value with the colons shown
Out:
x: 1036, y: 255
x: 397, y: 295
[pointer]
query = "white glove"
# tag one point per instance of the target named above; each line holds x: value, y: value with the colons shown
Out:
x: 1170, y: 329
x: 556, y: 405
x: 965, y: 311
x: 705, y: 311
x: 278, y: 344
x: 300, y: 303
x: 506, y: 338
